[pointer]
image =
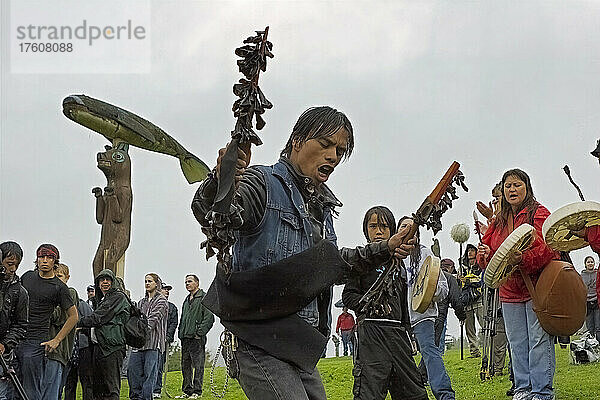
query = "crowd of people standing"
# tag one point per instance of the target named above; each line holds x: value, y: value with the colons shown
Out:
x: 53, y: 338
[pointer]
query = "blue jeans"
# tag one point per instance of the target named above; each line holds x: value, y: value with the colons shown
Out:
x: 51, y: 383
x: 32, y: 363
x: 532, y: 350
x: 432, y: 356
x: 141, y: 374
x: 347, y: 341
x: 442, y: 345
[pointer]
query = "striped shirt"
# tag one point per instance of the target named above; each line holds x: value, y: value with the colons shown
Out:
x: 155, y: 309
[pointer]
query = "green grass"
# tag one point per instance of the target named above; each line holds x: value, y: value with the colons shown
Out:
x: 572, y: 382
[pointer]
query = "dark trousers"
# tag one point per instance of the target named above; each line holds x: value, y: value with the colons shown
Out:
x: 192, y: 365
x: 32, y: 362
x: 84, y: 371
x: 161, y: 367
x: 384, y: 363
x: 264, y: 377
x: 348, y: 342
x: 107, y: 374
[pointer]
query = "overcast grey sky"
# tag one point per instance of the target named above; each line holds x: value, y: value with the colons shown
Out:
x: 493, y: 85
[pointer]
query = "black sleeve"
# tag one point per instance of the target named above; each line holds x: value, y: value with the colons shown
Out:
x: 16, y: 331
x: 363, y: 259
x: 65, y: 301
x: 172, y: 323
x: 352, y: 294
x: 251, y: 196
x: 454, y: 296
x: 104, y: 312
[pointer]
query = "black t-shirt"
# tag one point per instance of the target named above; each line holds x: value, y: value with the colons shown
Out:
x: 44, y: 296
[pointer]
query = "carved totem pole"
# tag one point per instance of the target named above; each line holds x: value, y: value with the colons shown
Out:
x: 113, y: 208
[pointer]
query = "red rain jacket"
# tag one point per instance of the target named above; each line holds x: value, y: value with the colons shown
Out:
x: 345, y: 322
x: 533, y: 261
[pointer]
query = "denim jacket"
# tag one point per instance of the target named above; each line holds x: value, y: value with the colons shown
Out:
x: 284, y: 230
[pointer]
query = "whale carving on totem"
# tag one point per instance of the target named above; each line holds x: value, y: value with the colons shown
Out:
x: 114, y: 122
x: 113, y: 204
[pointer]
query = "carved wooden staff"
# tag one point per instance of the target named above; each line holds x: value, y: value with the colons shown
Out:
x: 225, y: 217
x: 376, y: 299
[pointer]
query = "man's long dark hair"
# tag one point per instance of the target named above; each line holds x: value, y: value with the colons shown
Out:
x: 319, y: 122
x: 384, y: 215
x: 529, y: 201
x: 415, y: 254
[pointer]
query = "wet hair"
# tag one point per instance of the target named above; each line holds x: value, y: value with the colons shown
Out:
x: 529, y: 201
x: 317, y: 122
x: 63, y: 269
x: 465, y: 258
x: 415, y: 254
x: 193, y: 276
x: 155, y: 277
x: 11, y: 249
x: 384, y: 215
x: 586, y: 258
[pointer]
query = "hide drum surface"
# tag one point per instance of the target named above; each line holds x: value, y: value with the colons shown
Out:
x: 572, y: 217
x: 425, y: 285
x: 498, y: 270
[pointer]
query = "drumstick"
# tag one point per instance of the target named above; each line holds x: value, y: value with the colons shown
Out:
x: 568, y: 172
x: 479, y: 233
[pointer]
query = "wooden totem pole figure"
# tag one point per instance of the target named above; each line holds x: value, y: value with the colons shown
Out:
x: 113, y: 208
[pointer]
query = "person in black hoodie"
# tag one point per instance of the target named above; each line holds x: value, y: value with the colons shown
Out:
x: 14, y: 306
x: 383, y: 358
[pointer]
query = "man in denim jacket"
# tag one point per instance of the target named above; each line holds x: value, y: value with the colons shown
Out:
x: 286, y: 210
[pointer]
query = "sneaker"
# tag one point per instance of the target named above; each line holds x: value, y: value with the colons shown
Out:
x: 510, y: 391
x: 183, y: 396
x: 156, y: 395
x: 522, y: 396
x: 195, y: 396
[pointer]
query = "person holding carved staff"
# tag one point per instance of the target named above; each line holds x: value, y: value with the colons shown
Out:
x: 531, y: 347
x: 286, y: 210
x: 383, y: 358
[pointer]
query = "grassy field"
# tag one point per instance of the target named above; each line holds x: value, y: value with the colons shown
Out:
x: 572, y: 382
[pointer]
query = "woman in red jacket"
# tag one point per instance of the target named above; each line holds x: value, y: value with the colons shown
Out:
x: 532, y: 348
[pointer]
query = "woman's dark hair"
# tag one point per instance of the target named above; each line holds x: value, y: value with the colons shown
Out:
x: 11, y: 249
x: 317, y: 122
x: 384, y: 216
x: 465, y: 258
x: 529, y: 201
x: 586, y: 258
x: 415, y: 254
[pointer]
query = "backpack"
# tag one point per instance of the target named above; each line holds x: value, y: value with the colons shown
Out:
x: 136, y: 328
x: 559, y: 298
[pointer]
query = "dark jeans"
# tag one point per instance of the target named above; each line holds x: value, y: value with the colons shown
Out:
x: 32, y: 362
x: 348, y: 342
x: 107, y: 374
x: 192, y: 365
x: 141, y: 373
x: 264, y: 377
x: 161, y: 367
x: 592, y: 319
x: 84, y: 371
